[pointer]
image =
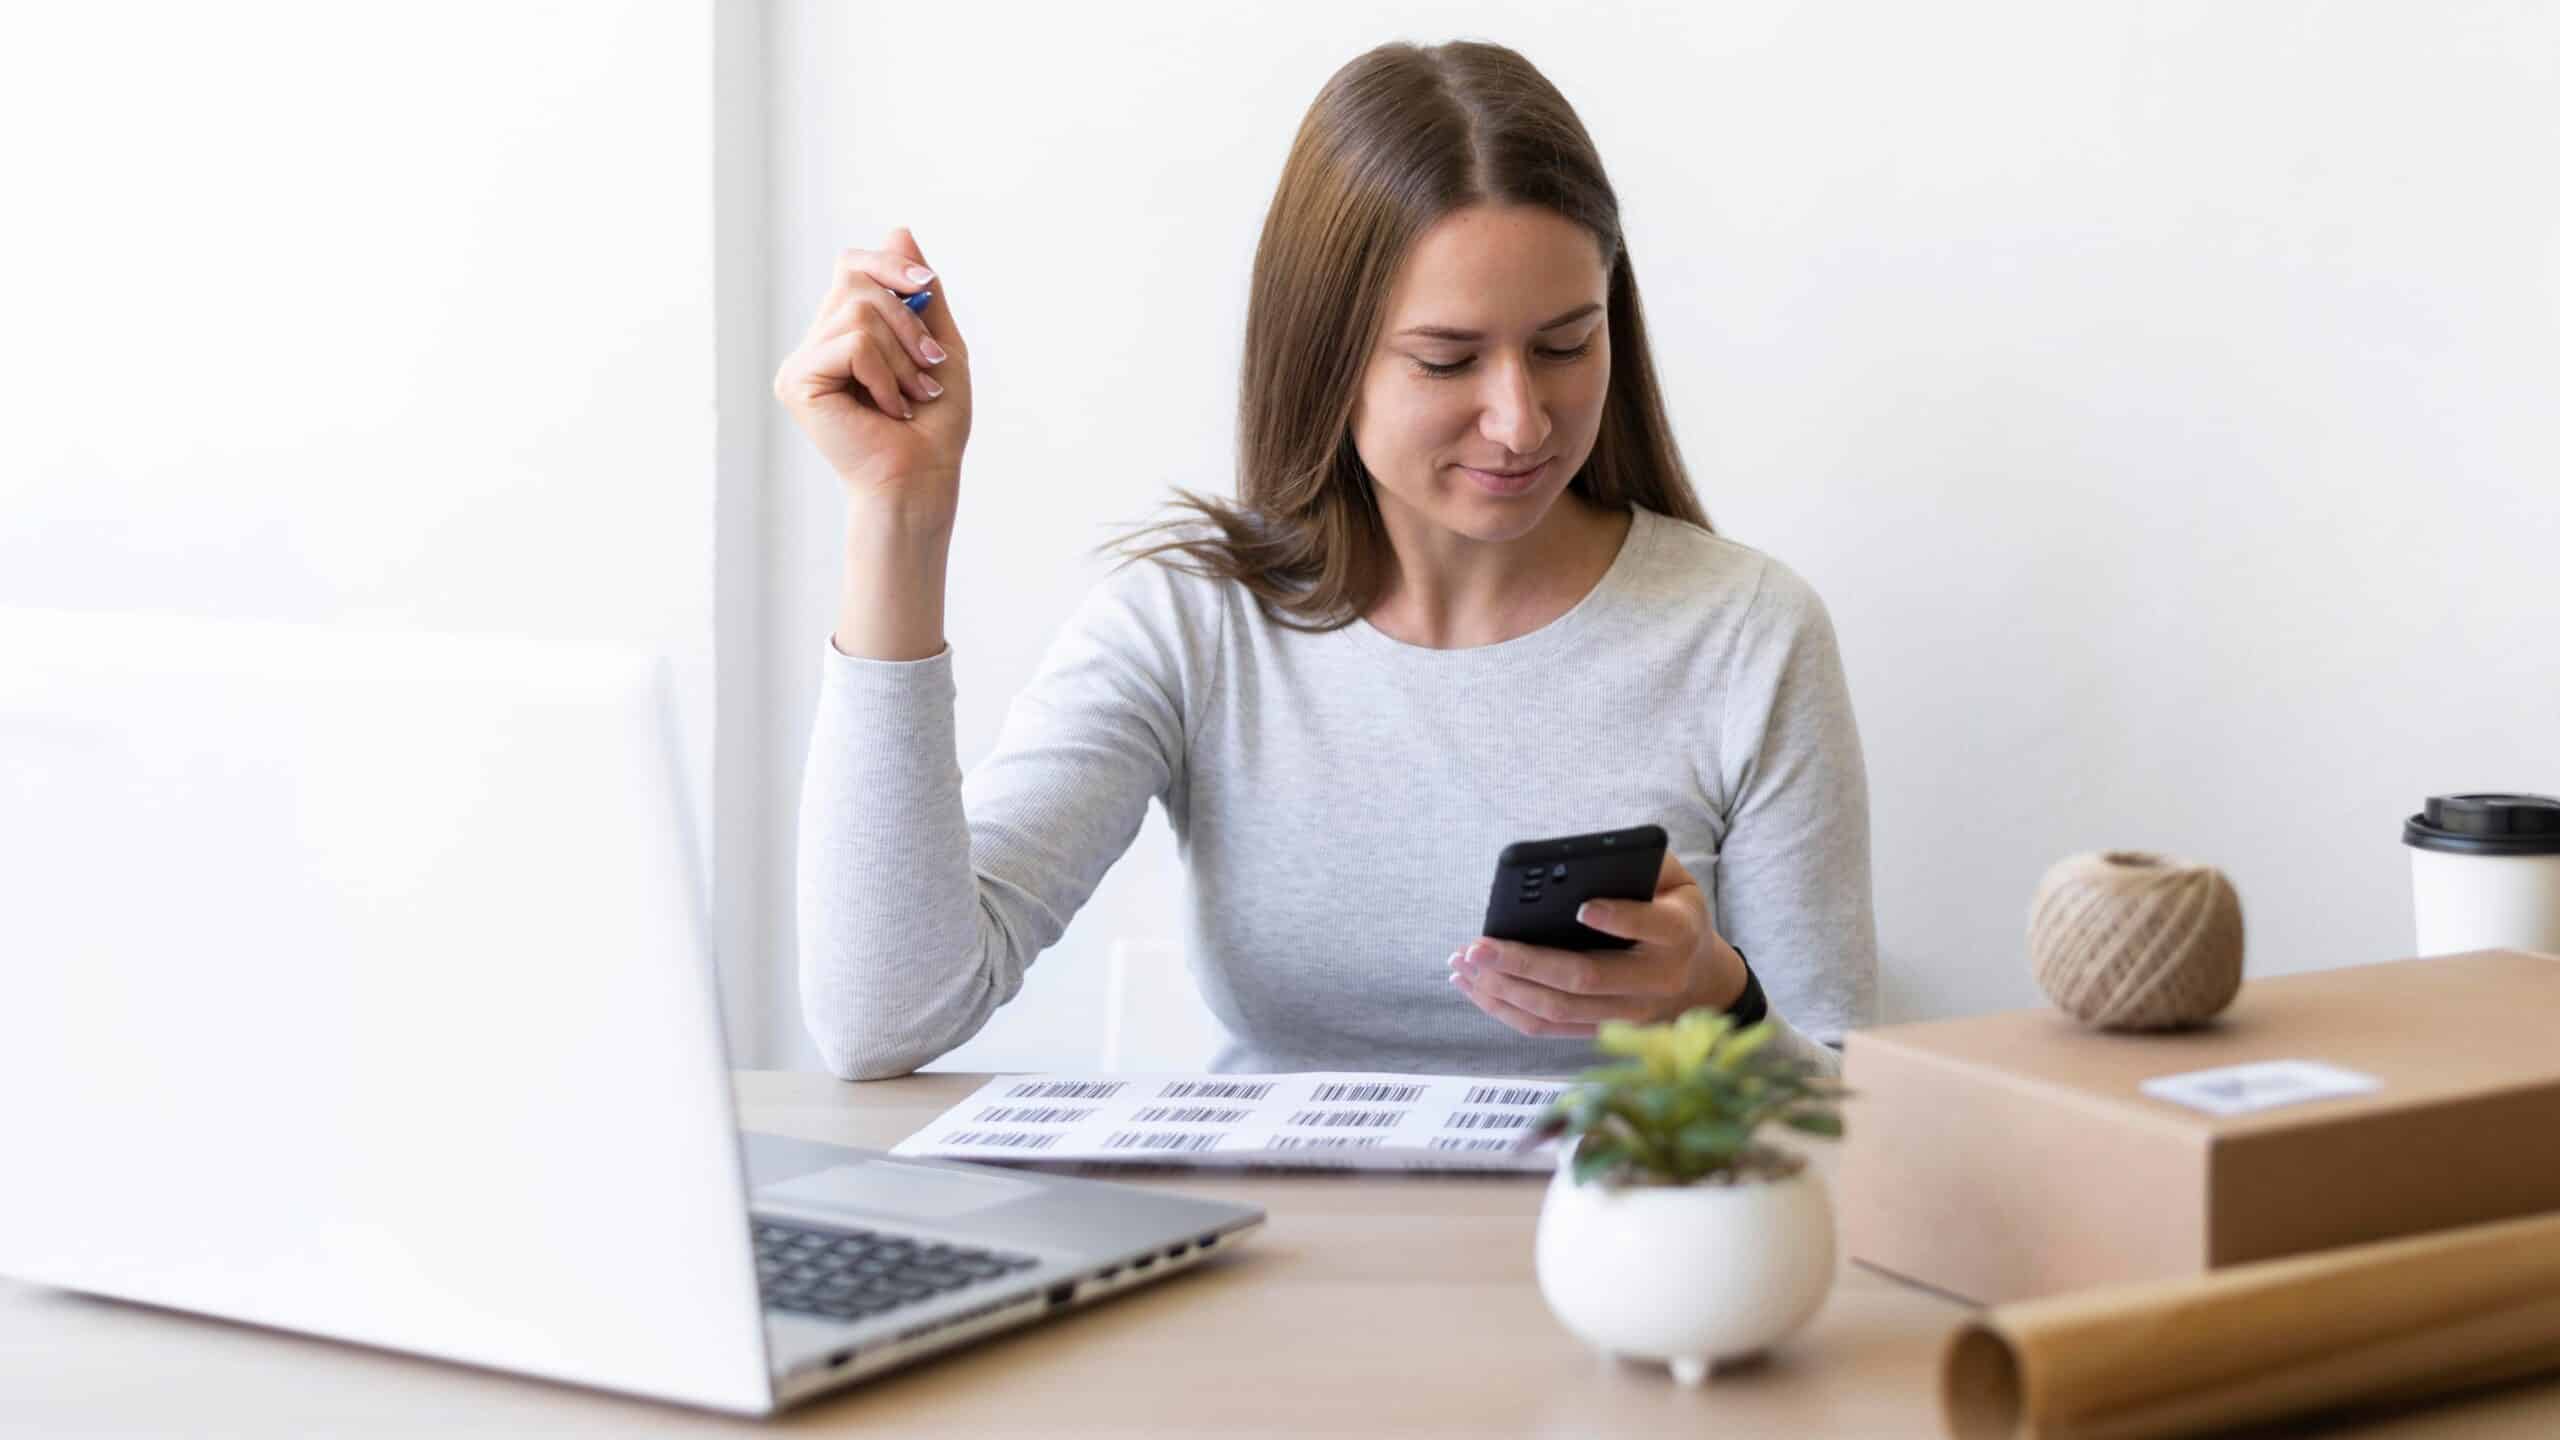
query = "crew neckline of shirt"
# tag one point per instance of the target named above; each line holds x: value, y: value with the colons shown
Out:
x: 1580, y: 616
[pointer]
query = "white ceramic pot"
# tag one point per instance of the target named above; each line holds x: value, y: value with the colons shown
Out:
x: 1686, y: 1274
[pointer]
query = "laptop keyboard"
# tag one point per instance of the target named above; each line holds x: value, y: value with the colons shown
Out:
x: 854, y: 1274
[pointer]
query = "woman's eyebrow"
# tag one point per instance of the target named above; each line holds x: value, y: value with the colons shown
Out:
x: 1445, y: 332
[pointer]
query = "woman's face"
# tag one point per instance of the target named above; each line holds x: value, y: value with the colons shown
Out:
x: 1523, y: 389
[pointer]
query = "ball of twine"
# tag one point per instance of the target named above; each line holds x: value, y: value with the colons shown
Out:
x: 2128, y: 940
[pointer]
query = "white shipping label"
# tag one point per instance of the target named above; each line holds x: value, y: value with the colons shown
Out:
x: 1325, y: 1120
x: 2262, y: 1085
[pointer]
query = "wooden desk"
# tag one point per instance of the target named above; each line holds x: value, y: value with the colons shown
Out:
x: 1368, y: 1305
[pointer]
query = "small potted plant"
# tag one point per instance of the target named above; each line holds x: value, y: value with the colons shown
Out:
x: 1669, y: 1233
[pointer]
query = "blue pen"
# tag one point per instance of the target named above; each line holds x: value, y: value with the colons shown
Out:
x: 916, y: 301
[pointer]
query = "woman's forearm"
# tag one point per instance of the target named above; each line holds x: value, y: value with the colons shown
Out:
x: 895, y: 564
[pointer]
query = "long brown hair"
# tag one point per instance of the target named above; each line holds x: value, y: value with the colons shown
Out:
x: 1398, y: 138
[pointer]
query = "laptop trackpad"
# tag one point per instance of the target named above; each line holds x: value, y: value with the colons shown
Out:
x: 885, y: 1187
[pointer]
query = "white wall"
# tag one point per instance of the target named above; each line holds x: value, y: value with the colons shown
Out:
x: 2160, y: 395
x: 392, y: 316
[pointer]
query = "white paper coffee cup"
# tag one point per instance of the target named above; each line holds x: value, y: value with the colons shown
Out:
x: 2485, y: 871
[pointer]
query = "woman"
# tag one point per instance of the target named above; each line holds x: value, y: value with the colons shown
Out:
x: 1465, y: 596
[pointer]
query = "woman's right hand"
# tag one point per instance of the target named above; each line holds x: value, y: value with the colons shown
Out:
x: 862, y: 385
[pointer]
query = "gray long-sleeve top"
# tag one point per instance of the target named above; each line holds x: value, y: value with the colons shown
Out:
x: 1338, y: 800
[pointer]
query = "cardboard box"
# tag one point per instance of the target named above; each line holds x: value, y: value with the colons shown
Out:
x: 2003, y: 1157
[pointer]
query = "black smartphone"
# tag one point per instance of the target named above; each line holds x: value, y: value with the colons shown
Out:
x: 1538, y: 884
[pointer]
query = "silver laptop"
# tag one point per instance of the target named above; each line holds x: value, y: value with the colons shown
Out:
x: 358, y: 983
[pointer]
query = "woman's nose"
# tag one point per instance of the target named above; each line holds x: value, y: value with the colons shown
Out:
x: 1515, y: 414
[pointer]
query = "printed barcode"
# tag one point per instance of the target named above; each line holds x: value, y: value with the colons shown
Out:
x: 1469, y: 1142
x: 1488, y: 1120
x: 1358, y: 1119
x: 1367, y: 1093
x: 1191, y: 1115
x: 1326, y: 1142
x: 1066, y: 1089
x: 1214, y: 1090
x: 1033, y: 1114
x: 1513, y: 1095
x: 1005, y: 1139
x: 1162, y: 1140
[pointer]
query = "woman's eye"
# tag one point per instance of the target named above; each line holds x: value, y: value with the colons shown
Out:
x: 1454, y: 366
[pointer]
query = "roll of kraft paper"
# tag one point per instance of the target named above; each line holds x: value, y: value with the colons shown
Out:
x: 2394, y: 1321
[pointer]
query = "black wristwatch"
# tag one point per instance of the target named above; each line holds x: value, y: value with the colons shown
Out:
x: 1750, y: 1007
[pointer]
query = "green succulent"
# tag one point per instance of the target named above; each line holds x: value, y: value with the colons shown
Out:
x: 1683, y: 1105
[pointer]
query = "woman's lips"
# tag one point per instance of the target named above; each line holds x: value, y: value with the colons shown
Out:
x: 1499, y: 484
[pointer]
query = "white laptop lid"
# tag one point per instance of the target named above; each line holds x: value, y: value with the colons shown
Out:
x: 357, y: 983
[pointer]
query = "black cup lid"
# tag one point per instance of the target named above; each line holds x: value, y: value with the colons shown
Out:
x: 2487, y: 825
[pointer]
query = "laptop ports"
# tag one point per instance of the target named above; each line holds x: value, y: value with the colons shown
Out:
x: 1061, y: 1294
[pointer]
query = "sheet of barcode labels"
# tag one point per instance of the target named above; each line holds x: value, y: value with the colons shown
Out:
x: 1323, y: 1120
